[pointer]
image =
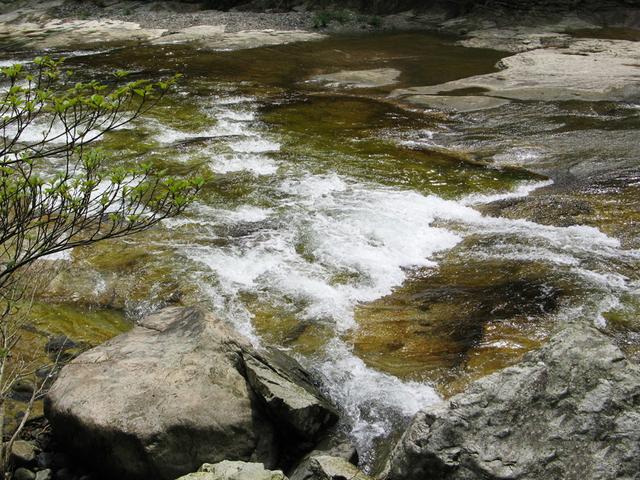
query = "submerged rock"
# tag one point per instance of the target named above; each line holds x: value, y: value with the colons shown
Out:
x: 234, y: 471
x: 458, y: 103
x: 377, y: 77
x: 179, y: 390
x: 570, y: 410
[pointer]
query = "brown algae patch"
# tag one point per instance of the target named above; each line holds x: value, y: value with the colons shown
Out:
x: 459, y: 322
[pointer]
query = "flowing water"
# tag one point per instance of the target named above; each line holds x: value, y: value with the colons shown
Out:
x: 394, y: 251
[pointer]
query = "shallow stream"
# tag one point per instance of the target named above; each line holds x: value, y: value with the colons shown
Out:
x: 399, y: 252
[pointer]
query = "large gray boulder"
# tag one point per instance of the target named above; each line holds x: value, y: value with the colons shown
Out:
x: 179, y: 390
x: 570, y: 410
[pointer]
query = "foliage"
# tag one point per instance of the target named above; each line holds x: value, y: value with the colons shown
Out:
x: 375, y: 21
x: 56, y: 192
x: 323, y: 18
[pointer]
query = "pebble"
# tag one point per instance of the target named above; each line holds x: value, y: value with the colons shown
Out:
x: 23, y: 474
x: 59, y: 343
x: 64, y: 474
x: 23, y: 453
x: 44, y: 459
x: 44, y: 475
x: 60, y: 460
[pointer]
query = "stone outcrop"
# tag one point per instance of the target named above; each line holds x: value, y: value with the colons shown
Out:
x: 589, y: 70
x: 570, y: 410
x: 179, y: 390
x: 227, y: 470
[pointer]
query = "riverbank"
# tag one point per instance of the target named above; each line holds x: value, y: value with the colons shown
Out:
x: 58, y: 24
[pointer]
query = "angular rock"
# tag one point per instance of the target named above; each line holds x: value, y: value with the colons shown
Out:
x: 335, y: 443
x: 325, y: 467
x: 234, y: 471
x: 288, y: 393
x: 173, y: 393
x: 570, y: 410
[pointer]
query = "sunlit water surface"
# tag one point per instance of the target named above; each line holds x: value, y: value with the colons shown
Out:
x: 353, y: 232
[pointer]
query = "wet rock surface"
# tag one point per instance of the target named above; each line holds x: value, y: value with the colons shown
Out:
x: 227, y: 470
x: 552, y: 209
x: 361, y: 78
x: 174, y: 393
x: 569, y: 410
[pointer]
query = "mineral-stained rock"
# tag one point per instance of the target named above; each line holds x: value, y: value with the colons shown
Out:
x: 179, y: 390
x: 570, y: 410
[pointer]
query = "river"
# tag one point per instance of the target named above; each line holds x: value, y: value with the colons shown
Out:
x: 392, y: 249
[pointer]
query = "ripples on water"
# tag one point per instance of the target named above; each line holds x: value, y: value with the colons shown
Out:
x: 349, y: 231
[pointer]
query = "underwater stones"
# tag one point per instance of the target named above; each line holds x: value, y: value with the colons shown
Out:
x: 550, y: 209
x: 467, y: 316
x: 377, y: 77
x: 458, y: 103
x: 59, y: 343
x: 227, y: 470
x: 569, y: 410
x: 172, y: 394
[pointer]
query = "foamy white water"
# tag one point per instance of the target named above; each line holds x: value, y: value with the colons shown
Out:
x: 321, y: 227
